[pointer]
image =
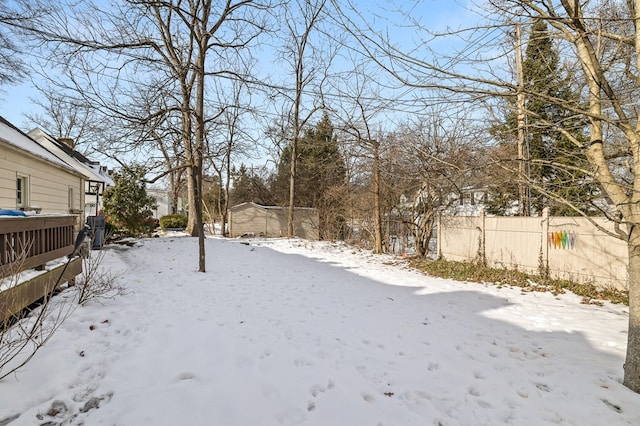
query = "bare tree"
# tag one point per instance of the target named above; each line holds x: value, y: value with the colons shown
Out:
x: 361, y: 104
x: 131, y: 40
x: 602, y: 38
x: 446, y: 156
x: 301, y: 19
x: 64, y: 118
x: 12, y: 69
x: 235, y: 139
x: 204, y: 31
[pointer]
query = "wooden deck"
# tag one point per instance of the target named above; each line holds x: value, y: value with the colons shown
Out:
x: 29, y: 243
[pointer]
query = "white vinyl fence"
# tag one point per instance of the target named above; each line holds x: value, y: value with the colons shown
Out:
x: 572, y: 248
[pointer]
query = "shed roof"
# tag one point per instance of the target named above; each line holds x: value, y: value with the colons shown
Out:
x: 261, y: 207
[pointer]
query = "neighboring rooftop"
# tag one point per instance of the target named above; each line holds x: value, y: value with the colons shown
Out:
x: 11, y: 135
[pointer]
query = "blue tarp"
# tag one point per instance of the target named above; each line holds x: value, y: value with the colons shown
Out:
x: 7, y: 212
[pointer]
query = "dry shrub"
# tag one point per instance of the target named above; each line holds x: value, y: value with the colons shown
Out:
x: 97, y: 283
x: 27, y: 331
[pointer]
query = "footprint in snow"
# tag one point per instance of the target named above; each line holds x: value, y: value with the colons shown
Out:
x: 543, y: 387
x: 473, y: 391
x: 303, y: 363
x: 186, y: 375
x: 484, y: 404
x: 318, y: 389
x: 613, y: 406
x: 368, y: 398
x: 291, y: 417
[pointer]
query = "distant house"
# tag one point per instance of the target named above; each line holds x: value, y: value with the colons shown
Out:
x: 470, y: 201
x: 33, y: 178
x: 97, y: 178
x: 164, y: 202
x: 251, y: 219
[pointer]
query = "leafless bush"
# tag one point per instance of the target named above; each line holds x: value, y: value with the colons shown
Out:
x: 96, y: 282
x: 24, y: 332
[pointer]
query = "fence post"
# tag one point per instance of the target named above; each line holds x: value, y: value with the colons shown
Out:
x: 483, y: 235
x: 439, y: 236
x: 544, y: 244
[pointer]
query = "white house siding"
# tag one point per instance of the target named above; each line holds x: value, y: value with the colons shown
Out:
x: 163, y: 202
x: 48, y: 184
x: 92, y: 171
x: 7, y: 181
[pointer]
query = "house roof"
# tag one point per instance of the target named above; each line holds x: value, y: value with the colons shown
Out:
x: 15, y: 137
x: 259, y: 206
x: 90, y: 169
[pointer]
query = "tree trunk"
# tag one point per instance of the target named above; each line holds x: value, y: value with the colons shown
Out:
x: 377, y: 218
x: 223, y: 200
x: 224, y: 209
x: 292, y: 191
x: 174, y: 190
x: 198, y: 214
x: 190, y: 154
x: 522, y: 157
x: 632, y: 361
x: 199, y: 150
x: 191, y: 206
x: 294, y: 153
x: 423, y: 227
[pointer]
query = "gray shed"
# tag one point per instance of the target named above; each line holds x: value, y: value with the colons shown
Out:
x: 251, y: 219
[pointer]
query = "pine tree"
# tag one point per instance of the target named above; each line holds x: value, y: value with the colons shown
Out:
x: 249, y: 187
x: 127, y: 205
x: 550, y: 152
x: 321, y: 172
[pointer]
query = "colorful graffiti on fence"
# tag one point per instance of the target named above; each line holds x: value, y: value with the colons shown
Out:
x: 562, y: 240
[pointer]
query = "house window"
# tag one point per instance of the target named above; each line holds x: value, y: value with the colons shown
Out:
x: 22, y: 192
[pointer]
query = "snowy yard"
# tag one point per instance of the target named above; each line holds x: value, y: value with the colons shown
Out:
x: 289, y: 332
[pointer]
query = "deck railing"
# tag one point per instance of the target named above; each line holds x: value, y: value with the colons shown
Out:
x: 29, y: 243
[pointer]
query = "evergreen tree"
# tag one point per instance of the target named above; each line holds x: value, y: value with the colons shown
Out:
x: 249, y: 187
x: 279, y: 182
x: 321, y: 171
x: 550, y: 151
x: 127, y: 205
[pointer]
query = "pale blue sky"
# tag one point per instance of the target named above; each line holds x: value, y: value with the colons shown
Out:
x: 436, y: 14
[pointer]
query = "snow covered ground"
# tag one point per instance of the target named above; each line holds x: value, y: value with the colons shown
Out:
x: 289, y: 332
